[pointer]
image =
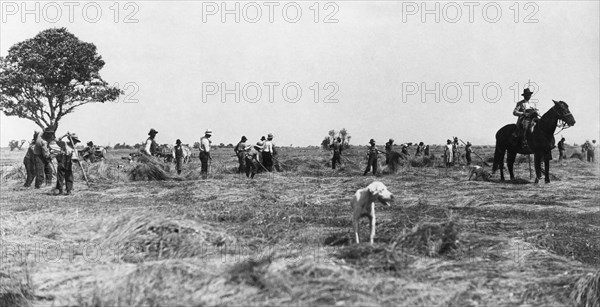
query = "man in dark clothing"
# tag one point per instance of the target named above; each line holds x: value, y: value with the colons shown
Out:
x: 561, y: 150
x: 178, y: 156
x: 240, y: 153
x: 29, y: 161
x: 468, y: 152
x: 388, y: 150
x: 337, y: 152
x: 426, y: 151
x: 419, y: 150
x: 372, y: 158
x: 204, y: 155
x: 64, y: 170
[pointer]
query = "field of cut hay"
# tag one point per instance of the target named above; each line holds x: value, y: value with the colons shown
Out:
x: 141, y: 235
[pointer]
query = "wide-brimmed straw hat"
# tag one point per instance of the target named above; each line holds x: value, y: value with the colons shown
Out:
x: 152, y: 132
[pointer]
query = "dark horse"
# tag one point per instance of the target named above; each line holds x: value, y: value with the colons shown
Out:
x: 539, y: 141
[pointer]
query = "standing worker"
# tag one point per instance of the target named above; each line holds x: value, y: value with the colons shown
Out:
x: 337, y: 152
x: 448, y: 150
x: 64, y: 170
x: 241, y: 155
x: 205, y: 152
x: 178, y: 156
x: 267, y: 153
x: 468, y: 152
x: 419, y: 151
x: 561, y: 150
x: 372, y: 158
x: 388, y: 150
x: 41, y: 153
x: 29, y: 161
x: 151, y: 147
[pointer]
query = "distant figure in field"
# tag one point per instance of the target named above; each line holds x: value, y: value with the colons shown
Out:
x: 150, y: 147
x: 404, y: 151
x: 588, y: 149
x: 448, y: 150
x: 29, y: 161
x: 388, y: 150
x: 251, y: 156
x: 268, y: 151
x: 241, y: 155
x: 420, y: 149
x: 178, y: 156
x: 561, y: 150
x: 455, y: 153
x: 372, y: 154
x: 64, y: 169
x: 426, y: 151
x: 468, y: 152
x: 337, y: 152
x: 204, y: 155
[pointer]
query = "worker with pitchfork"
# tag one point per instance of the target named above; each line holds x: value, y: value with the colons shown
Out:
x: 65, y: 158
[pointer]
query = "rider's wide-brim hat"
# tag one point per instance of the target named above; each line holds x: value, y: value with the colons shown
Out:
x: 152, y: 131
x: 527, y: 91
x: 372, y: 141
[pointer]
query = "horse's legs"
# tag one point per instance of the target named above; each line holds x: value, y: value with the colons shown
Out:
x: 510, y: 162
x: 547, y: 168
x: 537, y: 162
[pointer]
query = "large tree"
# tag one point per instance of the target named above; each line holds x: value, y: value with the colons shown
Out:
x: 47, y: 77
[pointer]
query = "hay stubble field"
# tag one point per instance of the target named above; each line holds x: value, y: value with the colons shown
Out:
x: 286, y: 238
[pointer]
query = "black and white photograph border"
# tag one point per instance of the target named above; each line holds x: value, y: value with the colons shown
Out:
x: 299, y: 153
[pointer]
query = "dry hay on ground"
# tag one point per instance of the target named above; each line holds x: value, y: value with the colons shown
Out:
x: 15, y: 172
x: 154, y: 236
x: 586, y: 292
x: 148, y: 169
x: 577, y: 155
x: 15, y: 291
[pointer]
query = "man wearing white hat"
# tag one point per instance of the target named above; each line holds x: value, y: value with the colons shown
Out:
x: 205, y: 152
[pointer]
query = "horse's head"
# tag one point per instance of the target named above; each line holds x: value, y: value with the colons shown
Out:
x: 562, y: 109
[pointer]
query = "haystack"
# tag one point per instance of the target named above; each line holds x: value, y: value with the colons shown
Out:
x: 577, y: 155
x: 16, y: 172
x: 431, y: 238
x: 586, y: 292
x: 152, y: 236
x: 149, y: 168
x: 15, y: 291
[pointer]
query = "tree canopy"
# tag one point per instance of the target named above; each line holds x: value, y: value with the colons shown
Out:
x: 48, y: 76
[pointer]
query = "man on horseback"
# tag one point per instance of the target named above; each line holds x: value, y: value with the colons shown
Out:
x: 527, y: 112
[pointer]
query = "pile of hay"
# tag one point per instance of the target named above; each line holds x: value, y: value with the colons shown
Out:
x: 577, y: 155
x: 586, y: 292
x: 421, y: 162
x: 103, y: 171
x: 152, y: 236
x: 16, y: 172
x: 431, y: 239
x: 148, y: 169
x: 15, y: 291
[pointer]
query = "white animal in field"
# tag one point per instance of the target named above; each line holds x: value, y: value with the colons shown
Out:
x: 363, y: 204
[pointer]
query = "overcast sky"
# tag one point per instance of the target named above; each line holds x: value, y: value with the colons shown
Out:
x: 377, y: 60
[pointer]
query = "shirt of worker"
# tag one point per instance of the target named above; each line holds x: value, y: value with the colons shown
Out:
x: 67, y: 150
x: 449, y: 148
x: 337, y: 147
x: 41, y: 147
x: 240, y: 147
x: 268, y: 147
x: 372, y: 152
x: 204, y: 144
x: 148, y: 146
